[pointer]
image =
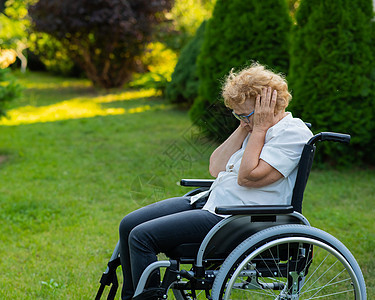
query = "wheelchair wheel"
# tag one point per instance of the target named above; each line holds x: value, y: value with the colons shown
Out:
x: 290, y: 262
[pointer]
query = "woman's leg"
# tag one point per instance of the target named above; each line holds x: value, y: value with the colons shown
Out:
x: 164, y: 233
x: 152, y: 211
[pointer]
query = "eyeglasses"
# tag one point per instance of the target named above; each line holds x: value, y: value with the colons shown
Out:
x: 242, y: 117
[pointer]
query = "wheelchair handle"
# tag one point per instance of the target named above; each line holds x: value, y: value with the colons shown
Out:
x: 330, y: 136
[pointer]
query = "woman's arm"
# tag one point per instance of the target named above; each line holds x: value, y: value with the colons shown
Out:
x: 253, y: 171
x: 219, y: 158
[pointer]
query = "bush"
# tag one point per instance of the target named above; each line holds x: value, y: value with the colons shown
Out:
x: 9, y: 90
x: 183, y: 88
x: 53, y: 55
x: 332, y: 74
x: 159, y: 62
x: 238, y: 32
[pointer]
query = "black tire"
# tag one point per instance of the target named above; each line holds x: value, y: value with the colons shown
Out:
x: 290, y: 262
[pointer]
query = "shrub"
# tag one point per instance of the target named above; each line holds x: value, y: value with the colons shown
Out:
x: 332, y: 74
x: 238, y: 32
x: 9, y: 90
x: 53, y: 55
x: 159, y: 62
x: 183, y: 88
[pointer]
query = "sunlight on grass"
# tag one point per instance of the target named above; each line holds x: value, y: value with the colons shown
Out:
x: 129, y: 95
x: 81, y: 107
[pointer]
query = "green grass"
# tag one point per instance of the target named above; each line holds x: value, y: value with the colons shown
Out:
x: 65, y: 186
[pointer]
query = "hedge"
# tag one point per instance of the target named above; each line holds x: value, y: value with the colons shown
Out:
x: 183, y: 88
x: 332, y: 75
x: 239, y: 32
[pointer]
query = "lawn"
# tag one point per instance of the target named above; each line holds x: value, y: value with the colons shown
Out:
x: 75, y: 160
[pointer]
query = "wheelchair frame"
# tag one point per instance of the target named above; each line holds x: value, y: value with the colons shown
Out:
x: 231, y: 250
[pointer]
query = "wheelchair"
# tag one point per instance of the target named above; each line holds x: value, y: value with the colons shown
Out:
x: 257, y: 252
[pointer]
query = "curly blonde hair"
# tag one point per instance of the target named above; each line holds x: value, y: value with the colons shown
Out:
x: 248, y: 83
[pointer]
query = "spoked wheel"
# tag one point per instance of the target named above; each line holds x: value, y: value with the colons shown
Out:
x: 290, y: 262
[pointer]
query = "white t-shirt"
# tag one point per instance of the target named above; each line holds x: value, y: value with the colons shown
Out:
x: 282, y: 149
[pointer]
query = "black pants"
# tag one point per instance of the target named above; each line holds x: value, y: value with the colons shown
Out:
x: 157, y: 228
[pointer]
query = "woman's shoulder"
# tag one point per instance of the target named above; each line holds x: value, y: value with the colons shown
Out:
x: 299, y: 127
x: 290, y: 128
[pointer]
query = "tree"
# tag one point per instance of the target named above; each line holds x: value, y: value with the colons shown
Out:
x: 13, y: 29
x: 104, y: 37
x: 332, y: 74
x: 183, y: 88
x: 238, y: 32
x: 184, y: 20
x: 17, y: 36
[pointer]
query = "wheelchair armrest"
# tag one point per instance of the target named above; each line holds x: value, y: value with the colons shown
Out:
x: 196, y: 182
x: 255, y: 210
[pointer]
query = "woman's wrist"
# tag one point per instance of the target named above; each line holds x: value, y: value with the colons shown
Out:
x: 260, y: 130
x: 242, y: 132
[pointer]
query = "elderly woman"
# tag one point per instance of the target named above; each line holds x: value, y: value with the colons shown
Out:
x: 256, y: 165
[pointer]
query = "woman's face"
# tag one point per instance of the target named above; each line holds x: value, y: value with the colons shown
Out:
x: 245, y: 109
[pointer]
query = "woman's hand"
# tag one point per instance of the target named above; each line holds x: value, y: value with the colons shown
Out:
x: 264, y: 115
x: 254, y: 172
